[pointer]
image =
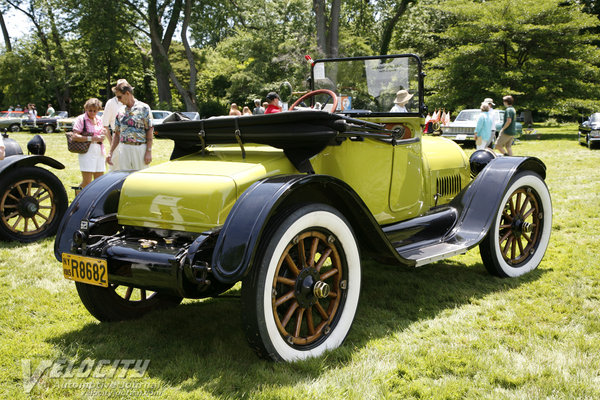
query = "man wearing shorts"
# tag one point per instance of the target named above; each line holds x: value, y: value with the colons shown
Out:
x: 133, y: 130
x: 508, y: 131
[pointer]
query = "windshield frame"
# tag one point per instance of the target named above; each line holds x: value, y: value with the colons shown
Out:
x: 422, y: 109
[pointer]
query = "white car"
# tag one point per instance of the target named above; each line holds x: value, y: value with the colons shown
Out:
x: 462, y: 129
x: 158, y: 116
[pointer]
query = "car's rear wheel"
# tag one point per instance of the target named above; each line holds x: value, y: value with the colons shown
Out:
x: 48, y: 128
x: 519, y: 236
x: 301, y: 296
x: 14, y: 128
x: 32, y: 203
x: 118, y: 303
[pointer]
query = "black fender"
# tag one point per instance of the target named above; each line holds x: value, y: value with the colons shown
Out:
x: 97, y: 200
x: 475, y: 206
x: 240, y: 237
x: 28, y: 161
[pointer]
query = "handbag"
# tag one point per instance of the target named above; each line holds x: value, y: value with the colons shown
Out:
x: 78, y: 147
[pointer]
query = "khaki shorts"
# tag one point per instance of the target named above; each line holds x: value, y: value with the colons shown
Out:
x: 504, y: 140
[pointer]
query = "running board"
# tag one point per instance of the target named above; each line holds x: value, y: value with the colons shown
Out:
x: 431, y: 253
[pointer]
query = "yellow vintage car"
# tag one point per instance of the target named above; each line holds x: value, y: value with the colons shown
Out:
x: 290, y: 203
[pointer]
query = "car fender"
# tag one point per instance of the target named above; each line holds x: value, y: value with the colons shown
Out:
x: 477, y: 203
x: 28, y: 161
x: 265, y: 201
x: 96, y: 200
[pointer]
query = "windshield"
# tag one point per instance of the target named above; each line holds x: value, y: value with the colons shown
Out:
x: 473, y: 115
x: 595, y: 118
x: 371, y: 84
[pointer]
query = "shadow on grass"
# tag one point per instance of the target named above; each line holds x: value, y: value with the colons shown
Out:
x: 201, y: 345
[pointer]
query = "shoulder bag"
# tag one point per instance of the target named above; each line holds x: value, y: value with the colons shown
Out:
x: 78, y: 147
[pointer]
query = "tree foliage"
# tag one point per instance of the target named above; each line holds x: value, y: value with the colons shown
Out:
x: 201, y: 54
x: 536, y: 51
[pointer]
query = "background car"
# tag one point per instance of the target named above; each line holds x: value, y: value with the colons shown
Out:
x: 462, y: 129
x: 66, y: 124
x: 158, y: 116
x: 589, y: 131
x: 13, y: 122
x: 45, y: 124
x: 191, y: 115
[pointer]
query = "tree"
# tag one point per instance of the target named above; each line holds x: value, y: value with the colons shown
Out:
x: 327, y: 28
x: 536, y: 51
x: 7, y: 42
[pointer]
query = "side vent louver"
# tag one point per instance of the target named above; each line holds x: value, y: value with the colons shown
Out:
x: 448, y: 186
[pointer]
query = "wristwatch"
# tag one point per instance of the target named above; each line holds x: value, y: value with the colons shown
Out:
x: 89, y: 138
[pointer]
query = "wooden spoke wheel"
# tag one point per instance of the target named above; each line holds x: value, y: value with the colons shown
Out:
x: 308, y: 288
x: 520, y: 233
x: 300, y: 298
x: 520, y: 226
x: 119, y: 302
x: 32, y: 202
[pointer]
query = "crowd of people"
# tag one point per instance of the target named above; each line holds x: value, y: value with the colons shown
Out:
x: 271, y: 106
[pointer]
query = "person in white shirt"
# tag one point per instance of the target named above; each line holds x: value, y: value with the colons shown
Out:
x: 111, y: 109
x: 402, y: 98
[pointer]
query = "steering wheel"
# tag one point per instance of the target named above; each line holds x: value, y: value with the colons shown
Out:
x: 314, y: 93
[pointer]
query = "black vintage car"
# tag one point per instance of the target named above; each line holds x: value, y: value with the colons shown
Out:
x: 589, y: 131
x: 32, y: 199
x: 45, y: 124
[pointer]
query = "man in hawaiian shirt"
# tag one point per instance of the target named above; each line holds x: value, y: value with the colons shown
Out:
x: 133, y: 130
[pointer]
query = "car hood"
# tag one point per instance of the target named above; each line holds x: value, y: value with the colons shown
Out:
x: 195, y: 193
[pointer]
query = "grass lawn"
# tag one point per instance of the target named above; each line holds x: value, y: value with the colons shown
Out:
x: 445, y: 331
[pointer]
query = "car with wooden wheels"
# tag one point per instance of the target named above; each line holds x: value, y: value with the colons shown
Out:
x: 32, y: 199
x: 289, y: 204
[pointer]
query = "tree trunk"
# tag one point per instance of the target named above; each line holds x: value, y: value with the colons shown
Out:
x: 334, y: 29
x: 189, y: 96
x: 5, y: 33
x: 319, y: 9
x: 390, y: 25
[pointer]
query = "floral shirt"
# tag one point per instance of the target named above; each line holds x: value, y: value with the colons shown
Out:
x: 133, y: 122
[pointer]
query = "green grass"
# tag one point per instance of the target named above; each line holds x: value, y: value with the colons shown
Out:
x: 443, y: 331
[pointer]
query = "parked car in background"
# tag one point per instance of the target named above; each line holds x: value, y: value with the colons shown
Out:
x: 66, y: 124
x: 191, y: 115
x: 589, y: 131
x: 462, y: 129
x: 13, y: 122
x: 45, y: 124
x: 158, y: 116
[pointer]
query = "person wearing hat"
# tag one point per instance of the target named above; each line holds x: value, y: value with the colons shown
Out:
x: 490, y: 102
x: 111, y: 109
x: 402, y: 98
x: 273, y: 100
x: 483, y: 130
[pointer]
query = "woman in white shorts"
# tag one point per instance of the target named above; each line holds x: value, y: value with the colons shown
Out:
x: 91, y: 163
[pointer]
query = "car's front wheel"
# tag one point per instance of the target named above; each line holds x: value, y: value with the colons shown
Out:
x: 118, y: 303
x: 301, y: 296
x: 14, y: 128
x: 32, y: 203
x: 520, y: 232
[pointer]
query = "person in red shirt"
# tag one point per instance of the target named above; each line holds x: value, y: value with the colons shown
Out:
x: 273, y: 107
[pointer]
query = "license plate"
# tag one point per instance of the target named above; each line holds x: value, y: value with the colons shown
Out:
x: 93, y: 271
x: 461, y: 137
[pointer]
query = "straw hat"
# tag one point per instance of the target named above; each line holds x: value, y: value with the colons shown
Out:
x: 402, y: 97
